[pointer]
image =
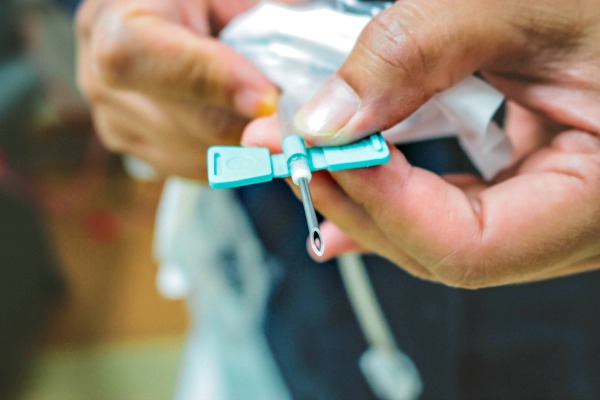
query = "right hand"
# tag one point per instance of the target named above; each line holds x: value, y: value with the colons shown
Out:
x: 160, y: 86
x: 537, y: 220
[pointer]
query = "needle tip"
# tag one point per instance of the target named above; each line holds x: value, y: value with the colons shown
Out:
x: 316, y: 241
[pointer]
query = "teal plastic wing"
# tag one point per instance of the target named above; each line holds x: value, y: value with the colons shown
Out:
x: 234, y: 166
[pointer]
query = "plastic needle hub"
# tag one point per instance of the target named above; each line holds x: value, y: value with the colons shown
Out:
x: 316, y: 241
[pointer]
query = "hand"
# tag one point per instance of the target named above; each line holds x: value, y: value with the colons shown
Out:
x: 160, y: 86
x: 539, y: 219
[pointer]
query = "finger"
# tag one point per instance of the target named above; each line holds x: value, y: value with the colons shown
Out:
x: 356, y: 222
x: 570, y: 103
x: 425, y: 216
x: 143, y: 132
x: 223, y: 11
x: 527, y: 130
x: 115, y: 132
x: 338, y: 243
x: 263, y: 132
x: 86, y: 81
x: 188, y: 164
x: 404, y: 56
x: 471, y: 185
x: 91, y: 12
x: 139, y: 49
x: 123, y: 136
x: 512, y: 231
x: 207, y: 125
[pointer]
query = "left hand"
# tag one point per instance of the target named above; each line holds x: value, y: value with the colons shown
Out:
x: 160, y: 84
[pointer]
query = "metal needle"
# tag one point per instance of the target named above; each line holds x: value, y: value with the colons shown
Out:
x: 300, y: 171
x: 311, y: 218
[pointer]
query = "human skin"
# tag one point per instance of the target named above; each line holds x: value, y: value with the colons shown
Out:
x: 160, y: 86
x: 536, y: 220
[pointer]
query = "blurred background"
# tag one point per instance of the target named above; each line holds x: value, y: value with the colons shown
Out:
x: 80, y: 317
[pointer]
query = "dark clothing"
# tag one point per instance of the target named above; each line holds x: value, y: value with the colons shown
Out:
x: 526, y: 341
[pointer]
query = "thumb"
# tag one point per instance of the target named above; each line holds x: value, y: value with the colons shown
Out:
x: 404, y: 56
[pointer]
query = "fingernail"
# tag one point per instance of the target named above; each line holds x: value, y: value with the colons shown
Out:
x: 255, y: 104
x: 329, y: 110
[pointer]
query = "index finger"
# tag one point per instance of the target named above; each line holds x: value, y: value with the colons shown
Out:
x: 136, y: 48
x: 527, y: 227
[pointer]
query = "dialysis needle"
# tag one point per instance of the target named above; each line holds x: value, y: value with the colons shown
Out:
x: 301, y: 175
x: 311, y: 217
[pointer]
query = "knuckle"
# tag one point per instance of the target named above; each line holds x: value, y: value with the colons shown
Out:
x: 464, y: 276
x: 90, y: 89
x: 466, y: 270
x: 402, y: 38
x: 115, y: 52
x: 95, y: 95
x: 112, y: 142
x: 224, y: 125
x: 205, y: 82
x: 200, y: 84
x: 111, y: 138
x: 113, y: 57
x: 390, y: 40
x: 84, y: 19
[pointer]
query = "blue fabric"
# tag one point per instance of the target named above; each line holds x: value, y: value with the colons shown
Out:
x: 527, y: 341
